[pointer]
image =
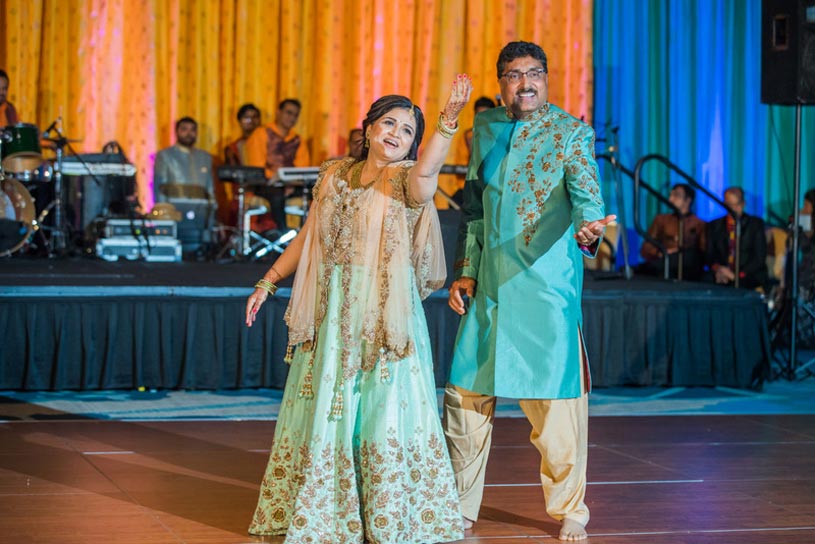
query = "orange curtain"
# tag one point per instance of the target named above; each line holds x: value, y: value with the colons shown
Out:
x: 126, y: 69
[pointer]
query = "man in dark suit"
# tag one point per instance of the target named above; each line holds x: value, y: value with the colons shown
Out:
x: 721, y: 245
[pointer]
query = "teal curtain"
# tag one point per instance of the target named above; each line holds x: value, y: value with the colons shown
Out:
x: 683, y: 78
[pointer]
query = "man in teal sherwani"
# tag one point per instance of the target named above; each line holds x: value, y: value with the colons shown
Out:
x: 532, y: 209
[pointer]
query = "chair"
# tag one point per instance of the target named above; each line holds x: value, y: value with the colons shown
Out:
x: 776, y: 253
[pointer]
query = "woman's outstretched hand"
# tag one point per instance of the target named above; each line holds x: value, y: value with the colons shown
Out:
x: 459, y: 96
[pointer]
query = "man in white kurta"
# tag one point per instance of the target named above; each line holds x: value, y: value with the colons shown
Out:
x: 532, y: 209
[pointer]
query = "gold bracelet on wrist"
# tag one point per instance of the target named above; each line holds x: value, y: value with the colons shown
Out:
x: 279, y: 275
x: 266, y: 285
x: 444, y: 122
x: 445, y: 130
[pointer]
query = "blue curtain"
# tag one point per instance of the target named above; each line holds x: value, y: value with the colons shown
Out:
x: 683, y: 78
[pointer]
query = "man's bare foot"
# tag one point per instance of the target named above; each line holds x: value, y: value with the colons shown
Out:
x: 468, y: 523
x: 572, y: 530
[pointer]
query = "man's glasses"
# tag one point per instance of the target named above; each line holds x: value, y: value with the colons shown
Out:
x: 533, y: 74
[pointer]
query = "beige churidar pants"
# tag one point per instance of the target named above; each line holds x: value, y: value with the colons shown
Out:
x: 559, y: 432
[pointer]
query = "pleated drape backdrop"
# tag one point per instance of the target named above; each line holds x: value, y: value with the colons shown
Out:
x: 683, y: 78
x: 127, y: 69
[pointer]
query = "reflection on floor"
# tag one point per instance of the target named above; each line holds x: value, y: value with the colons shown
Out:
x: 670, y: 480
x: 779, y: 397
x: 148, y: 467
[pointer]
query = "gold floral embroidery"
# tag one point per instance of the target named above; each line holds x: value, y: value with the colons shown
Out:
x: 344, y: 211
x: 533, y: 137
x: 406, y: 497
x: 279, y: 515
x: 462, y: 263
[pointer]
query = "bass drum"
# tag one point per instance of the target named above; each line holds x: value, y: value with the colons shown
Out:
x: 16, y: 216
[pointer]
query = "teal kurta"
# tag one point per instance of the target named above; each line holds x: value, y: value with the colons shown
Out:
x: 530, y: 185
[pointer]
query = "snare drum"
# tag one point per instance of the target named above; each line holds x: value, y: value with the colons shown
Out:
x: 21, y: 148
x: 16, y: 216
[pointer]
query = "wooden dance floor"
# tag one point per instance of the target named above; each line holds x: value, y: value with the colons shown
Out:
x: 674, y: 480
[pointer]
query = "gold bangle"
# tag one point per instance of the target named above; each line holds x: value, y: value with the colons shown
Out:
x: 267, y: 286
x: 266, y: 283
x: 446, y: 122
x: 279, y: 275
x: 443, y: 129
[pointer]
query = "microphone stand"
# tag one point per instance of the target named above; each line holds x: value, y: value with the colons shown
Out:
x: 613, y: 151
x: 58, y: 243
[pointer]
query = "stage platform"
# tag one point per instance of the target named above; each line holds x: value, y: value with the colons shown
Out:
x: 85, y: 324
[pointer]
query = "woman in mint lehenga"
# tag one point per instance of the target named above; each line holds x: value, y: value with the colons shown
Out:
x: 358, y: 453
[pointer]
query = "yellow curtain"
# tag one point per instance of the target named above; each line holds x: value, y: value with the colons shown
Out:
x: 127, y: 69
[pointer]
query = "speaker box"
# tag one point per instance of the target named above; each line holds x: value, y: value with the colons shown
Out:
x: 788, y: 52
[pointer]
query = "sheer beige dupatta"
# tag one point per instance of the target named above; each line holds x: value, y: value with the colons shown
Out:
x: 386, y: 245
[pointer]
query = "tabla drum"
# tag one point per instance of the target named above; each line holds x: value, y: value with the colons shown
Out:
x: 16, y: 216
x: 21, y: 148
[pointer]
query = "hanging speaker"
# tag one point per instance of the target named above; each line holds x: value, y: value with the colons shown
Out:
x: 788, y: 51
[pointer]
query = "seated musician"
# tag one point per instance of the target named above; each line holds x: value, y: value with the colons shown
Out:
x: 665, y: 229
x: 182, y: 170
x: 183, y: 177
x: 274, y: 146
x: 122, y: 190
x: 721, y: 246
x: 806, y: 274
x: 356, y: 143
x: 8, y: 114
x: 249, y: 120
x: 235, y: 155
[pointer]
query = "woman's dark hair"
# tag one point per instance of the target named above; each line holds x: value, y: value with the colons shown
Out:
x: 386, y: 104
x: 810, y: 197
x: 518, y: 50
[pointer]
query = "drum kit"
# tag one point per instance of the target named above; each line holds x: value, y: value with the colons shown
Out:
x: 28, y: 224
x: 20, y: 161
x: 24, y: 170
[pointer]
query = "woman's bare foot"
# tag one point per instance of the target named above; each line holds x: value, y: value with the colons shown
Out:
x: 468, y: 523
x: 572, y: 530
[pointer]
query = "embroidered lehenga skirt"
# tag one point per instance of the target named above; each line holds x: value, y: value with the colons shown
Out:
x: 371, y: 468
